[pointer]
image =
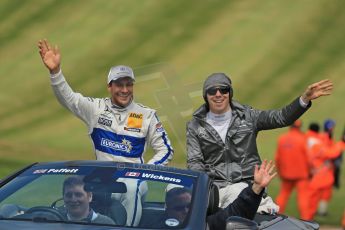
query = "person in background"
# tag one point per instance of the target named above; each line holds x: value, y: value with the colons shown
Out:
x: 77, y: 203
x: 293, y: 168
x: 327, y: 137
x: 343, y: 221
x: 120, y: 129
x: 322, y: 172
x: 313, y: 134
x: 221, y: 136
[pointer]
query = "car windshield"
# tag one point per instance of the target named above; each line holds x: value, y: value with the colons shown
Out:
x: 137, y: 197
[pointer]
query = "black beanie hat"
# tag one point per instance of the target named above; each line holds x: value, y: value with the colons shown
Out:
x: 216, y: 79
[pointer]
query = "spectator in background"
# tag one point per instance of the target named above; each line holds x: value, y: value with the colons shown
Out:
x: 343, y: 221
x: 327, y: 137
x: 293, y: 168
x: 312, y: 134
x: 320, y: 155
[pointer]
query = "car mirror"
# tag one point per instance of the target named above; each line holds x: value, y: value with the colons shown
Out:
x: 236, y: 222
x: 114, y: 187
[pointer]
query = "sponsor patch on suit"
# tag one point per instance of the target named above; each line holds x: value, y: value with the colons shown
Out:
x: 104, y: 121
x: 132, y: 129
x: 159, y: 127
x: 135, y: 120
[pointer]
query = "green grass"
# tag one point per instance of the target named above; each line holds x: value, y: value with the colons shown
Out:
x: 272, y: 50
x: 41, y: 192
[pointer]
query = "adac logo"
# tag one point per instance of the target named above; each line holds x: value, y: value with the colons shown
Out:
x: 135, y: 120
x: 136, y: 115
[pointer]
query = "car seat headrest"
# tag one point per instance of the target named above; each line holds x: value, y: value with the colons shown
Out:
x: 213, y: 200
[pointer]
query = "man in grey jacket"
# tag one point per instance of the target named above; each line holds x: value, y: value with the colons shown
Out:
x: 221, y: 137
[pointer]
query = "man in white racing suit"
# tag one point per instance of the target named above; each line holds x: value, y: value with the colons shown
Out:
x: 119, y: 128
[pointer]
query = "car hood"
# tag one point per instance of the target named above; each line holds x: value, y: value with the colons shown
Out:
x: 288, y: 223
x: 30, y: 225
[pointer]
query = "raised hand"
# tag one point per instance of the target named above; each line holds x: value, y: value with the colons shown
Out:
x: 263, y: 175
x: 318, y: 89
x: 50, y: 56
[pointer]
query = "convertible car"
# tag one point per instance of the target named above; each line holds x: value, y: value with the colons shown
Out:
x: 35, y: 198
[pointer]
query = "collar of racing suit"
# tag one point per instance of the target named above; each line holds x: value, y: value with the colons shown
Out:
x: 120, y: 108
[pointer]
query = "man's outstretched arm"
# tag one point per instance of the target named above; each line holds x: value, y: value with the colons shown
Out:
x: 79, y: 105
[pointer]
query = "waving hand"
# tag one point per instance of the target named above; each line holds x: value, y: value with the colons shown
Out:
x: 263, y: 176
x: 50, y: 56
x: 318, y: 89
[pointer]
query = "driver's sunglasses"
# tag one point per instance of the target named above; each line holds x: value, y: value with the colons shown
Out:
x: 223, y: 90
x: 180, y: 208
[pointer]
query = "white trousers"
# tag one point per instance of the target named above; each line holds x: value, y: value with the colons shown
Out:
x: 229, y: 193
x: 132, y: 200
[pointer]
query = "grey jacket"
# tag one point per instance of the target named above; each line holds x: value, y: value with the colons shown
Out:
x: 234, y: 161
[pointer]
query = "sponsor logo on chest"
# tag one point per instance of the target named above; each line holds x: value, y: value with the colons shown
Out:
x: 124, y: 146
x: 134, y: 122
x: 104, y: 121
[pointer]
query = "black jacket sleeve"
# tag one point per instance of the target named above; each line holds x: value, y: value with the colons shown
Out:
x: 271, y: 119
x: 245, y: 206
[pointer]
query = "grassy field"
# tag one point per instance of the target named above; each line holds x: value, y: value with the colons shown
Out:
x: 272, y: 49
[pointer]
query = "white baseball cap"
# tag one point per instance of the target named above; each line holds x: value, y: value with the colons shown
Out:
x: 120, y: 71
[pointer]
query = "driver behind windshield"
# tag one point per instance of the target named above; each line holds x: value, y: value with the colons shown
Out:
x: 178, y: 201
x: 77, y: 202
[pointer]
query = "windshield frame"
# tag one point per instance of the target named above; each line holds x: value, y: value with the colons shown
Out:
x: 32, y: 173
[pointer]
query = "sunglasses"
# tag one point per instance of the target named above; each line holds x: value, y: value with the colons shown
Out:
x: 223, y: 90
x: 180, y: 208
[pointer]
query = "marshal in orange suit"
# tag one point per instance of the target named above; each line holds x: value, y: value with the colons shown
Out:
x: 292, y: 166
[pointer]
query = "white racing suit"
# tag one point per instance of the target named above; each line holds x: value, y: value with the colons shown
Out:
x: 118, y: 135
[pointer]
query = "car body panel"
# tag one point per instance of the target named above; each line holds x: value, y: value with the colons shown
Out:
x: 204, y: 195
